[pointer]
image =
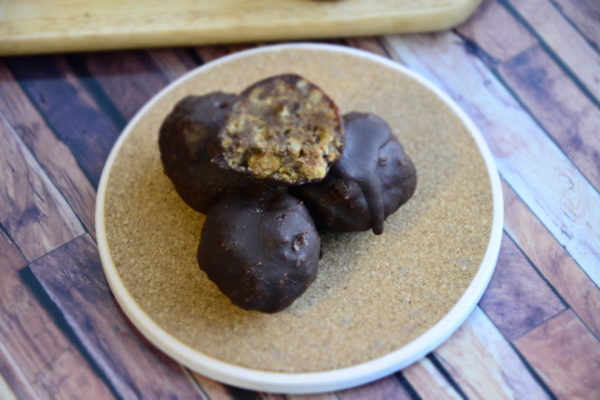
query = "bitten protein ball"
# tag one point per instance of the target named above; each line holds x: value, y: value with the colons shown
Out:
x: 188, y: 142
x: 373, y: 178
x: 260, y: 249
x: 283, y: 129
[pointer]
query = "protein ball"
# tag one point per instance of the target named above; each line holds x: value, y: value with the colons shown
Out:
x: 373, y: 178
x: 188, y: 142
x: 283, y: 129
x: 260, y: 249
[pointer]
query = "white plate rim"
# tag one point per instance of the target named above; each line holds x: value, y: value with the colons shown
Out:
x: 313, y: 382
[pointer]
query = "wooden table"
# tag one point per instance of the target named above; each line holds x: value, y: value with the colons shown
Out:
x: 527, y: 72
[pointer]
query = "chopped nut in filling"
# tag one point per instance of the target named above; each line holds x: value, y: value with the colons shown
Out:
x: 284, y: 129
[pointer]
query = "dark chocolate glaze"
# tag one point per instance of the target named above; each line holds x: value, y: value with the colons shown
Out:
x: 188, y: 141
x: 372, y: 179
x: 260, y: 248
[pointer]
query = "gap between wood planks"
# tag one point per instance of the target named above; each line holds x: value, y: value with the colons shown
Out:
x: 532, y: 371
x: 69, y: 109
x: 58, y: 318
x: 456, y: 390
x: 73, y: 280
x: 584, y: 16
x: 572, y: 373
x: 551, y: 261
x: 36, y: 357
x: 35, y: 213
x: 516, y: 278
x: 577, y: 49
x: 53, y: 156
x: 541, y: 87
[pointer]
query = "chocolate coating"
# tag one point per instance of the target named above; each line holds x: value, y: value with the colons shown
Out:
x: 260, y: 249
x: 187, y: 143
x: 372, y: 179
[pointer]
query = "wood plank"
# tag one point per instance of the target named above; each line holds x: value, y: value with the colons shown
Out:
x: 73, y: 279
x: 370, y: 44
x: 129, y: 78
x: 12, y: 295
x: 319, y: 396
x: 211, y: 53
x: 573, y: 50
x: 53, y: 155
x: 242, y: 394
x: 70, y: 110
x: 428, y: 382
x: 518, y: 299
x: 566, y: 355
x: 271, y: 396
x: 484, y: 365
x: 558, y: 104
x: 585, y: 15
x: 551, y: 259
x: 216, y: 390
x: 237, y: 393
x: 385, y: 388
x: 495, y: 30
x: 173, y: 63
x: 33, y: 212
x: 213, y: 389
x: 36, y: 358
x: 12, y: 260
x: 524, y: 154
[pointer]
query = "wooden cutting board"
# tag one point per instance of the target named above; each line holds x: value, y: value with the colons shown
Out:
x: 52, y: 26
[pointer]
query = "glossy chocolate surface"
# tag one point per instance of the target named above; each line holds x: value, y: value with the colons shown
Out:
x: 372, y: 179
x: 260, y: 249
x: 188, y: 143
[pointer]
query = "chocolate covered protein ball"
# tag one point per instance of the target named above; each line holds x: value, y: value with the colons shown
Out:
x: 260, y: 249
x: 188, y: 142
x: 283, y: 129
x: 373, y: 178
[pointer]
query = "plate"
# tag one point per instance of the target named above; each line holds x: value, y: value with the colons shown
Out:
x: 378, y: 304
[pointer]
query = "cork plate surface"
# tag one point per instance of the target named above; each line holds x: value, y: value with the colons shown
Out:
x: 378, y: 304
